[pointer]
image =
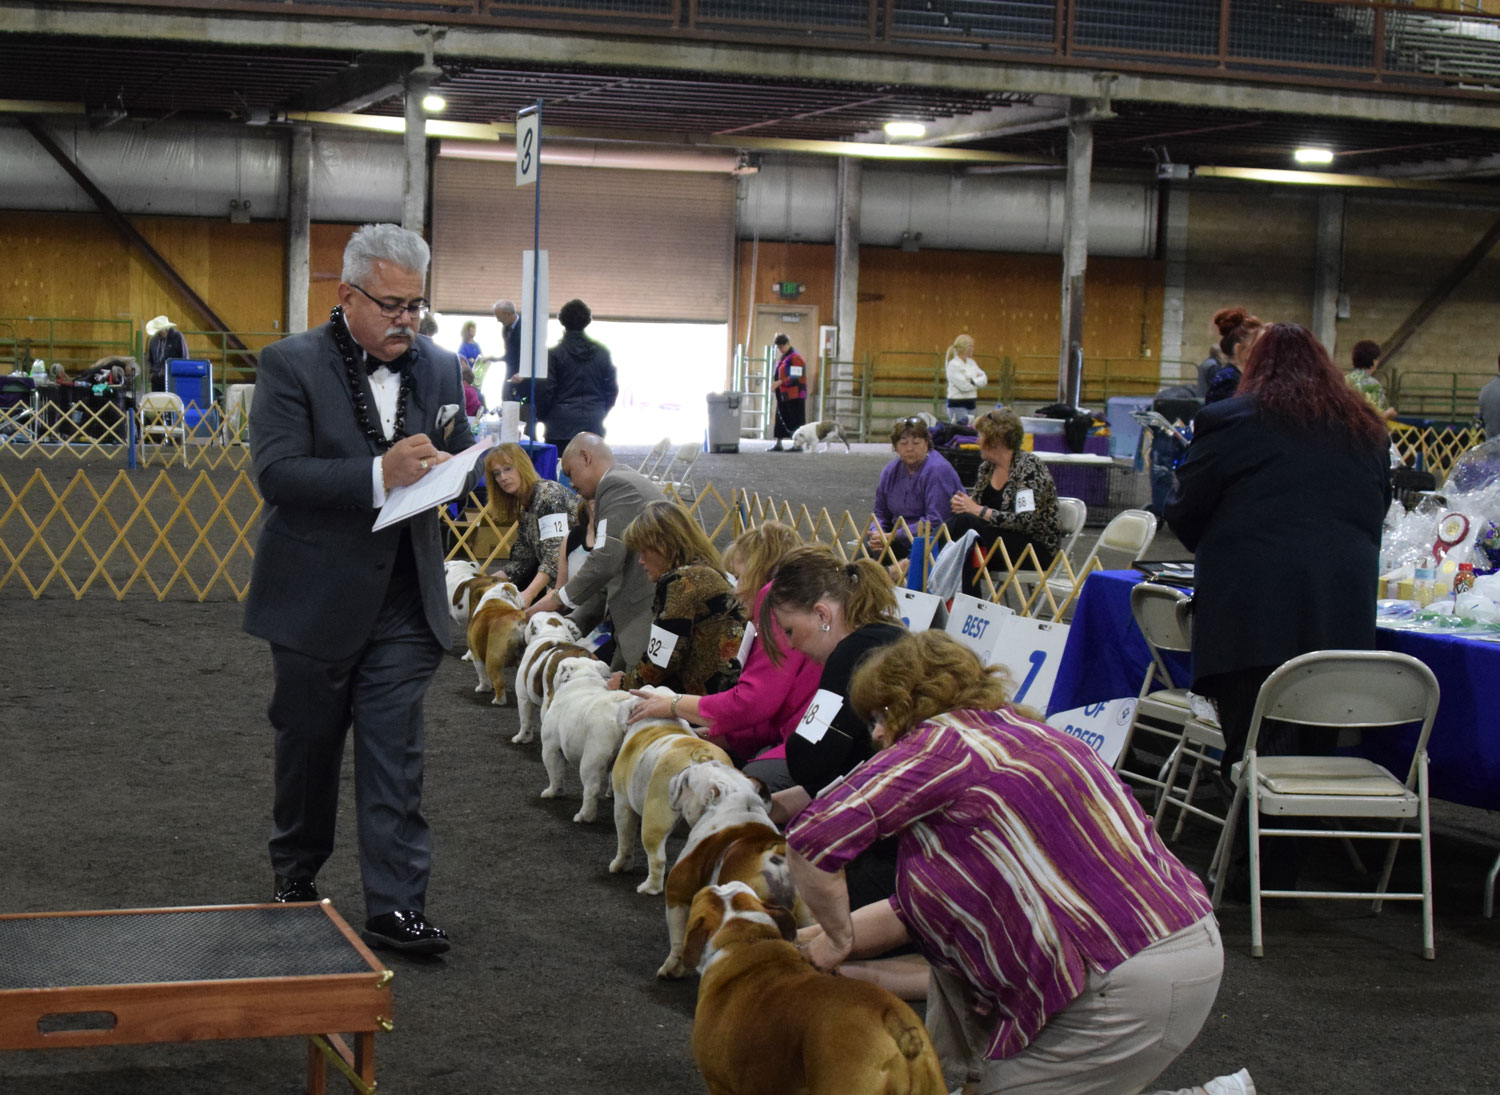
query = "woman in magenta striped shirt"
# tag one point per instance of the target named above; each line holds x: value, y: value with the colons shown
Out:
x: 1071, y: 951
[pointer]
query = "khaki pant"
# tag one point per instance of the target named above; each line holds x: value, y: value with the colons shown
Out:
x: 1119, y: 1033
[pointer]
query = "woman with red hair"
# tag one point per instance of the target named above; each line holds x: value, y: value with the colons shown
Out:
x: 1281, y: 497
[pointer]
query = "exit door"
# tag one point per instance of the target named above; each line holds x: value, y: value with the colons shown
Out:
x: 800, y: 324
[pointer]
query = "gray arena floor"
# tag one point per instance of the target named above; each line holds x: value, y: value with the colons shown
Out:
x: 136, y: 773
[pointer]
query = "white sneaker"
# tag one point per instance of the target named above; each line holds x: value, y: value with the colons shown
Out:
x: 1238, y: 1084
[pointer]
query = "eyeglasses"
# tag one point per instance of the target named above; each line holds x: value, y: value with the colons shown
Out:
x: 395, y: 309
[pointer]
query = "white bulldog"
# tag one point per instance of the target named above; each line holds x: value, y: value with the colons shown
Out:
x: 456, y: 573
x: 818, y: 437
x: 546, y: 634
x: 733, y: 839
x: 583, y: 725
x: 654, y: 751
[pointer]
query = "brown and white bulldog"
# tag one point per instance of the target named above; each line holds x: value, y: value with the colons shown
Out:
x: 769, y: 1023
x: 732, y: 839
x: 550, y: 639
x: 654, y: 751
x: 584, y: 725
x: 495, y: 623
x: 457, y: 572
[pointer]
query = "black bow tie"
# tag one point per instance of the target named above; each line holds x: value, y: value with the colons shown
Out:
x: 398, y: 366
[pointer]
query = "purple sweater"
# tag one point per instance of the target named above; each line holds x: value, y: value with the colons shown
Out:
x: 926, y: 494
x: 762, y: 710
x: 1024, y: 861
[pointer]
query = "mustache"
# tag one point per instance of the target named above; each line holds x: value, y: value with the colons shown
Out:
x: 397, y: 330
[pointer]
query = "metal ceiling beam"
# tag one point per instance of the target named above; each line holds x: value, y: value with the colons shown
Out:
x: 1440, y: 293
x: 362, y: 84
x: 132, y: 235
x: 980, y: 72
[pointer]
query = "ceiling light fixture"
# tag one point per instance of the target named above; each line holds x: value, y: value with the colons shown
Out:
x: 1313, y: 156
x: 434, y: 104
x: 905, y: 129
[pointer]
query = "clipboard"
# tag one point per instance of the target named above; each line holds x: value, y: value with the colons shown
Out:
x: 442, y: 483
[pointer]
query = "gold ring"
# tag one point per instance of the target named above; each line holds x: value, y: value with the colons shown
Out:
x: 424, y: 465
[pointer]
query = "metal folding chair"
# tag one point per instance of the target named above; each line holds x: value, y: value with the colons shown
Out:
x: 1368, y: 690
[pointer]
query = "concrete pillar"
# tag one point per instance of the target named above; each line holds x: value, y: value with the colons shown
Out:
x: 414, y: 201
x: 298, y: 228
x: 845, y: 287
x: 1075, y: 251
x: 1328, y: 269
x: 1170, y: 369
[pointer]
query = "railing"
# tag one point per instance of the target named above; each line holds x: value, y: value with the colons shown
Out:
x: 1328, y: 43
x: 176, y: 533
x: 1434, y: 449
x: 75, y: 342
x: 72, y: 423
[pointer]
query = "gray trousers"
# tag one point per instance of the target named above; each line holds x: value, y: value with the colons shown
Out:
x: 379, y: 691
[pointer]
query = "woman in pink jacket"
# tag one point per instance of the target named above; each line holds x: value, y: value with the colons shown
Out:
x: 752, y: 720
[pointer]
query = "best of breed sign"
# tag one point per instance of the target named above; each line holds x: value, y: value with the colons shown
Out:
x: 1030, y: 650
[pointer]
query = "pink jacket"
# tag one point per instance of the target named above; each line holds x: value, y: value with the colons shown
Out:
x: 761, y: 711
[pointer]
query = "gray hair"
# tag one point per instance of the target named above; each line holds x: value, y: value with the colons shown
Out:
x: 388, y: 242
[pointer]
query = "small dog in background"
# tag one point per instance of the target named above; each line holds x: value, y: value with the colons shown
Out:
x: 810, y: 437
x: 584, y: 725
x: 768, y: 1023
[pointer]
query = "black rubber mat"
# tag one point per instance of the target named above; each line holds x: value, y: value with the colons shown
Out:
x: 148, y: 948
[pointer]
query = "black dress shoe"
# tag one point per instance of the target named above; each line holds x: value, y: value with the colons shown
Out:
x: 405, y: 930
x: 294, y: 889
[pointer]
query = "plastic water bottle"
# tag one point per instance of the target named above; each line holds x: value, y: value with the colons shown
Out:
x: 1423, y: 589
x: 38, y: 370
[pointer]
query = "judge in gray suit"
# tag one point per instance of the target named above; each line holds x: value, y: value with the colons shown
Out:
x: 612, y: 569
x: 356, y: 619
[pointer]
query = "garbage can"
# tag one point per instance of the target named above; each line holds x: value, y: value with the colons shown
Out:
x: 724, y: 421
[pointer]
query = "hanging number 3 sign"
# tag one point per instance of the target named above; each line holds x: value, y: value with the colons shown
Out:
x: 660, y: 645
x: 528, y: 147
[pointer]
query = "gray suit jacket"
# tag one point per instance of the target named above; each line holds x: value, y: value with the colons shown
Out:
x: 612, y: 568
x: 320, y: 575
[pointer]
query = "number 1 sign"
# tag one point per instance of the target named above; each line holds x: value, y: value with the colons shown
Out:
x: 1031, y: 651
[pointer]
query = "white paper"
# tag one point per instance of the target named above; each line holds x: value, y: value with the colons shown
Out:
x: 1031, y: 651
x: 916, y: 607
x: 795, y: 372
x: 660, y: 645
x: 1025, y: 501
x: 1101, y: 726
x: 510, y: 421
x: 976, y: 624
x: 553, y: 526
x: 533, y: 349
x: 600, y: 532
x: 442, y: 483
x: 745, y: 644
x: 819, y: 715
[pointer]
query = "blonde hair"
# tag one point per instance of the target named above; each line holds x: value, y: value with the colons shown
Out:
x: 665, y: 528
x: 862, y: 590
x: 468, y: 330
x: 756, y: 555
x: 956, y: 349
x: 506, y: 509
x: 922, y: 675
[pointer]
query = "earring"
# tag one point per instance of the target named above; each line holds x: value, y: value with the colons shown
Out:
x: 825, y: 627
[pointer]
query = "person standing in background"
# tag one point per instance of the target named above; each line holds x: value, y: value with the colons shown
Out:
x: 965, y: 378
x: 1489, y: 406
x: 1239, y: 330
x: 1365, y: 358
x: 166, y: 343
x: 790, y: 377
x: 581, y: 385
x: 468, y: 350
x: 510, y: 326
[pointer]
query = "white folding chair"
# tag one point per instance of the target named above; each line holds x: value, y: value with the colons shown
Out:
x: 679, y: 473
x: 1368, y: 690
x: 162, y: 418
x: 653, y: 458
x: 1202, y: 743
x: 237, y: 400
x: 1123, y: 541
x: 1071, y: 515
x: 1161, y: 706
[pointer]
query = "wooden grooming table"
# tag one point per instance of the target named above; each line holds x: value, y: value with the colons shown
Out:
x: 137, y: 976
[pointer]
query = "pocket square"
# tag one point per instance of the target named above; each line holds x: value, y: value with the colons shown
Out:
x: 447, y: 415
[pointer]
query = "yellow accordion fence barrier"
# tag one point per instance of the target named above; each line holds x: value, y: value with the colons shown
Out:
x: 190, y: 535
x: 1431, y: 449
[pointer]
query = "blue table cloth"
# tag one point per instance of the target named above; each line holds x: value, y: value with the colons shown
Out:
x: 1106, y: 657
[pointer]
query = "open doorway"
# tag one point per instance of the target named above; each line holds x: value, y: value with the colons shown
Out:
x: 665, y: 370
x: 800, y: 324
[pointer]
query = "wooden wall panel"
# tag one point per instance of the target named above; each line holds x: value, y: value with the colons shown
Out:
x: 918, y: 301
